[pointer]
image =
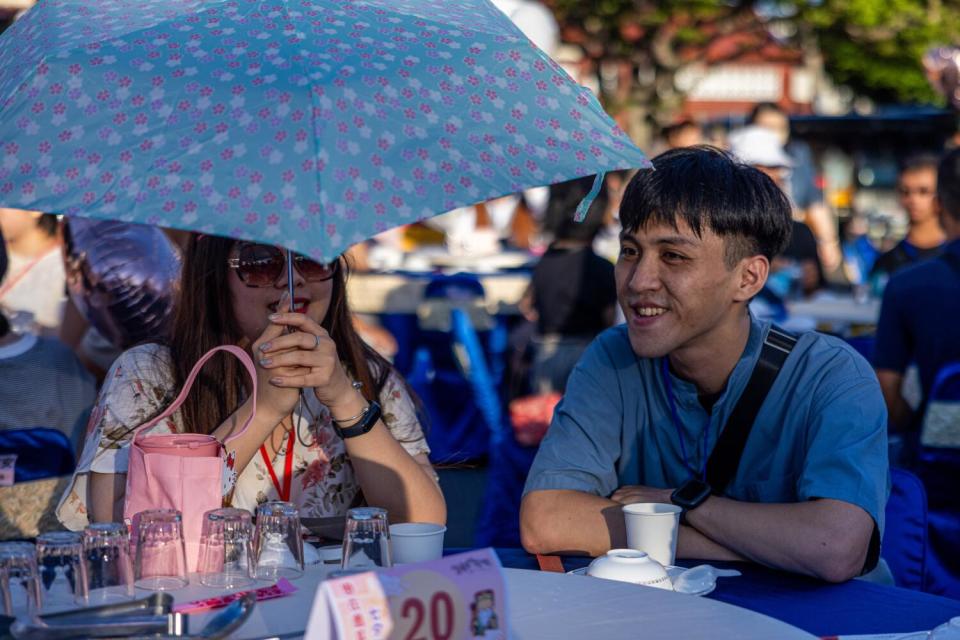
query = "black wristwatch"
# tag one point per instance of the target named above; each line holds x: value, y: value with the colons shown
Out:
x: 363, y: 425
x: 690, y: 495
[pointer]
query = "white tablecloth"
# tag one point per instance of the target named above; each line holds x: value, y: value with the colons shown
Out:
x: 551, y: 605
x: 840, y: 310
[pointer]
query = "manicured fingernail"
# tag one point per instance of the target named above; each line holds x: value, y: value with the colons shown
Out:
x: 274, y: 316
x: 265, y: 346
x: 265, y: 362
x: 278, y: 381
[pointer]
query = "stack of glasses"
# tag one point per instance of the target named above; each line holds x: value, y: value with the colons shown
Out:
x: 102, y: 565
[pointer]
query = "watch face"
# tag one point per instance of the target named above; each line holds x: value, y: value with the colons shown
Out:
x: 691, y: 493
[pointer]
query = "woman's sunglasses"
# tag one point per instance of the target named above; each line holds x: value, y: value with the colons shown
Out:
x: 259, y: 265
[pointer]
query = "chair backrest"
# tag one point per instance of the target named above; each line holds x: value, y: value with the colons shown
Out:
x: 41, y: 453
x: 458, y: 367
x: 905, y: 543
x: 941, y: 420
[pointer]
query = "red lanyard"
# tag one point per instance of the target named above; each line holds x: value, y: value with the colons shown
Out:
x: 284, y: 493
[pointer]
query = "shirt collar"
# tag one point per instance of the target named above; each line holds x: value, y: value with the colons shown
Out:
x: 686, y: 392
x: 19, y: 347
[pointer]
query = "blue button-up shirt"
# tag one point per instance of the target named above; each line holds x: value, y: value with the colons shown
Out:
x: 920, y: 319
x: 821, y: 433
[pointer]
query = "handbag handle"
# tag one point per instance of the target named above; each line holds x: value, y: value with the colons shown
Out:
x: 248, y: 365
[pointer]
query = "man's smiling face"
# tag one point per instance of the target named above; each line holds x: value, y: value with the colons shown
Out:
x: 674, y: 287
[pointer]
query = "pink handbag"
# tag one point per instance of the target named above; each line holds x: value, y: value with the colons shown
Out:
x: 181, y: 471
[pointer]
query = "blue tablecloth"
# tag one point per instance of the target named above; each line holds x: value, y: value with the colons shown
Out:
x: 854, y: 607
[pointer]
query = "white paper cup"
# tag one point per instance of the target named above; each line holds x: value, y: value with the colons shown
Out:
x: 416, y: 542
x: 653, y: 529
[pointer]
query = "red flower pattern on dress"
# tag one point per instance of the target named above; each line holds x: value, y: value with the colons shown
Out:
x: 315, y: 473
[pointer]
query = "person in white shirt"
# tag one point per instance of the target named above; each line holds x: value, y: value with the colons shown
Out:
x: 32, y: 294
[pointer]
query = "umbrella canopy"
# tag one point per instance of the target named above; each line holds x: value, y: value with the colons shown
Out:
x: 311, y: 124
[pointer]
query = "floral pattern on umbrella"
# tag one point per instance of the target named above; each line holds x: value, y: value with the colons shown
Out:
x: 306, y: 123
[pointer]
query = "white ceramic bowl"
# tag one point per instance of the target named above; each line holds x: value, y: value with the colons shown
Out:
x: 629, y: 565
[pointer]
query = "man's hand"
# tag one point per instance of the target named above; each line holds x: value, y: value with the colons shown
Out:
x: 632, y: 493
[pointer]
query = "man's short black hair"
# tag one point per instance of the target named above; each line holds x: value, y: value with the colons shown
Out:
x: 948, y: 184
x: 708, y: 188
x: 919, y: 161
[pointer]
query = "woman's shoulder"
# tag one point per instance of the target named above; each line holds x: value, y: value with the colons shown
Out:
x: 145, y: 365
x: 148, y: 357
x: 138, y: 386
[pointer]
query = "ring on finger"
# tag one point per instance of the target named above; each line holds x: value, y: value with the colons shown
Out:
x: 317, y: 341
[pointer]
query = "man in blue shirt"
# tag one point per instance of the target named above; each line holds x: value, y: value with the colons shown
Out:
x: 917, y: 189
x: 810, y: 490
x: 920, y: 315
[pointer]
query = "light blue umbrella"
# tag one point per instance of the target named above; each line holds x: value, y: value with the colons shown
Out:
x: 311, y: 124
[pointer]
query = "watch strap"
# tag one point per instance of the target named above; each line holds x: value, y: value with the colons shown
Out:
x: 362, y: 426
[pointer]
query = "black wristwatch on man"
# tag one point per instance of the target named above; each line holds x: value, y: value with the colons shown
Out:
x: 690, y: 495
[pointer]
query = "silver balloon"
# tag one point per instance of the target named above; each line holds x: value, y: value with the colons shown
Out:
x: 943, y: 71
x: 122, y: 277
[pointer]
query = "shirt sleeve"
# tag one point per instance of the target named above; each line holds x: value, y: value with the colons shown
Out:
x: 400, y: 416
x: 582, y: 446
x: 846, y: 456
x: 894, y: 342
x: 137, y: 387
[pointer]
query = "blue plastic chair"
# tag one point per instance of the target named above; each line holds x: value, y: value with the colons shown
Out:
x: 441, y: 371
x: 905, y: 542
x: 41, y: 453
x: 509, y: 462
x: 939, y: 469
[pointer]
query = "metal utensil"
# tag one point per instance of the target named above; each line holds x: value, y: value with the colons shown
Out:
x: 150, y: 616
x: 229, y: 619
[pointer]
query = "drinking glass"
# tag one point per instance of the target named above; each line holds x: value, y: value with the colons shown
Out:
x: 19, y: 586
x: 226, y: 552
x: 366, y: 541
x: 160, y: 563
x: 106, y: 554
x: 279, y: 545
x: 62, y: 573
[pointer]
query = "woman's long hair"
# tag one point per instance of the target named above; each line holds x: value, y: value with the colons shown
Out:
x: 204, y: 319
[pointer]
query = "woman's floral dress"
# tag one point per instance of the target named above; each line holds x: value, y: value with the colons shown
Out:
x: 140, y: 384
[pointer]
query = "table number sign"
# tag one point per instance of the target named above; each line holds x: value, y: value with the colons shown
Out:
x: 350, y: 608
x: 459, y: 597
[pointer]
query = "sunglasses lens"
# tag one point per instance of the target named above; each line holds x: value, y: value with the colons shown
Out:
x: 259, y: 265
x: 315, y: 271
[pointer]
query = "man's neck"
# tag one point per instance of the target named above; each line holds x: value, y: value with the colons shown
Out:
x: 926, y: 235
x: 31, y: 245
x: 709, y: 363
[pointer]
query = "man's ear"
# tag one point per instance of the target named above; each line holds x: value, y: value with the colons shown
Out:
x: 752, y: 275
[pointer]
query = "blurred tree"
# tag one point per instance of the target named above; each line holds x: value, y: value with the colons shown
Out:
x: 873, y: 47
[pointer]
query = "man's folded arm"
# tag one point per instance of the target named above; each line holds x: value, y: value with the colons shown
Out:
x: 827, y: 539
x: 563, y: 508
x: 569, y: 522
x: 833, y: 530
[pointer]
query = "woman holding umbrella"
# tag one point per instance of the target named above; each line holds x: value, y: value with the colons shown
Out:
x: 356, y: 440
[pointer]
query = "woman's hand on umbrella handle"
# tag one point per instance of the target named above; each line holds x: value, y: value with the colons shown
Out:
x: 277, y: 400
x: 312, y: 352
